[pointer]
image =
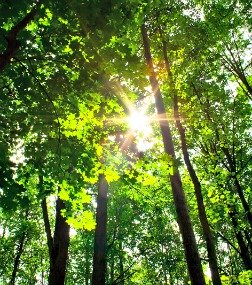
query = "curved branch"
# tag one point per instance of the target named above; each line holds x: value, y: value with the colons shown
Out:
x: 13, y: 44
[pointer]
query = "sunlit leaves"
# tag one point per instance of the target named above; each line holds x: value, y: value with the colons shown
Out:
x: 77, y: 216
x: 84, y: 220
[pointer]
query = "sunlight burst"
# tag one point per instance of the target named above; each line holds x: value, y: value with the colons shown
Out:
x: 139, y: 122
x: 140, y: 125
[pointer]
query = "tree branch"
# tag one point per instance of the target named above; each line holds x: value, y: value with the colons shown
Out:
x: 13, y: 44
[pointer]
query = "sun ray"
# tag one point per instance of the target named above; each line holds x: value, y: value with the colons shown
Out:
x: 138, y: 118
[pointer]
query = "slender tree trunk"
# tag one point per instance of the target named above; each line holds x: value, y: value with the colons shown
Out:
x: 244, y: 253
x: 112, y: 268
x: 243, y: 200
x: 13, y: 43
x: 197, y: 186
x: 184, y: 222
x: 232, y: 168
x: 20, y: 250
x: 100, y: 240
x: 47, y: 227
x: 121, y: 267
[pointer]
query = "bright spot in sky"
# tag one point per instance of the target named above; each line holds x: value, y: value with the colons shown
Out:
x: 138, y: 121
x: 139, y: 124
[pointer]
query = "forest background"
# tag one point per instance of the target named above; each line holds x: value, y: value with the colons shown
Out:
x: 125, y: 139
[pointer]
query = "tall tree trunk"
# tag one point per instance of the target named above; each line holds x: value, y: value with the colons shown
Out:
x: 121, y: 267
x: 244, y: 253
x: 184, y: 222
x: 20, y: 250
x: 47, y: 227
x: 59, y: 253
x: 233, y: 170
x: 100, y: 240
x: 112, y: 268
x: 59, y: 243
x: 231, y: 162
x: 197, y: 186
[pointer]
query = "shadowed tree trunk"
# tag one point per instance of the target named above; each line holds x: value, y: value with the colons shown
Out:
x: 244, y: 253
x: 121, y: 267
x: 59, y: 254
x: 184, y: 222
x: 233, y: 171
x: 197, y: 186
x: 19, y: 252
x: 17, y: 258
x: 231, y: 165
x: 100, y: 240
x: 58, y: 244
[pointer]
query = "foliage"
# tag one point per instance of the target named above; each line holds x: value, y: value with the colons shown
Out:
x: 78, y: 73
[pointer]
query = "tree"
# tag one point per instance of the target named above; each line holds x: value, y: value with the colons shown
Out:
x: 71, y: 74
x: 189, y: 242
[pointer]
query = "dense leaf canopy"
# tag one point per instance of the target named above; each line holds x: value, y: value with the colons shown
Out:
x: 72, y: 73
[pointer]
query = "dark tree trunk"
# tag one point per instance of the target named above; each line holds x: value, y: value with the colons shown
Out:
x: 184, y: 222
x: 13, y: 43
x: 244, y: 201
x: 244, y: 253
x: 100, y: 240
x: 20, y: 250
x: 112, y: 268
x: 59, y: 243
x: 197, y: 186
x: 59, y: 254
x: 121, y: 267
x: 47, y: 226
x: 233, y: 170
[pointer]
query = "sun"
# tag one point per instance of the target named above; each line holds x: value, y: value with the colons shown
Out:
x: 140, y: 125
x: 138, y: 122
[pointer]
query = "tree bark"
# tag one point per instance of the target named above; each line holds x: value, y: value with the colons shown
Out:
x: 244, y: 253
x: 121, y: 266
x: 47, y: 227
x: 20, y: 250
x: 13, y: 43
x: 233, y: 170
x: 231, y: 167
x: 196, y: 183
x: 100, y: 240
x: 184, y: 222
x: 59, y: 253
x: 59, y: 243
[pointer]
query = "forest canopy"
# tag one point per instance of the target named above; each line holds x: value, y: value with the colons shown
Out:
x: 125, y: 142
